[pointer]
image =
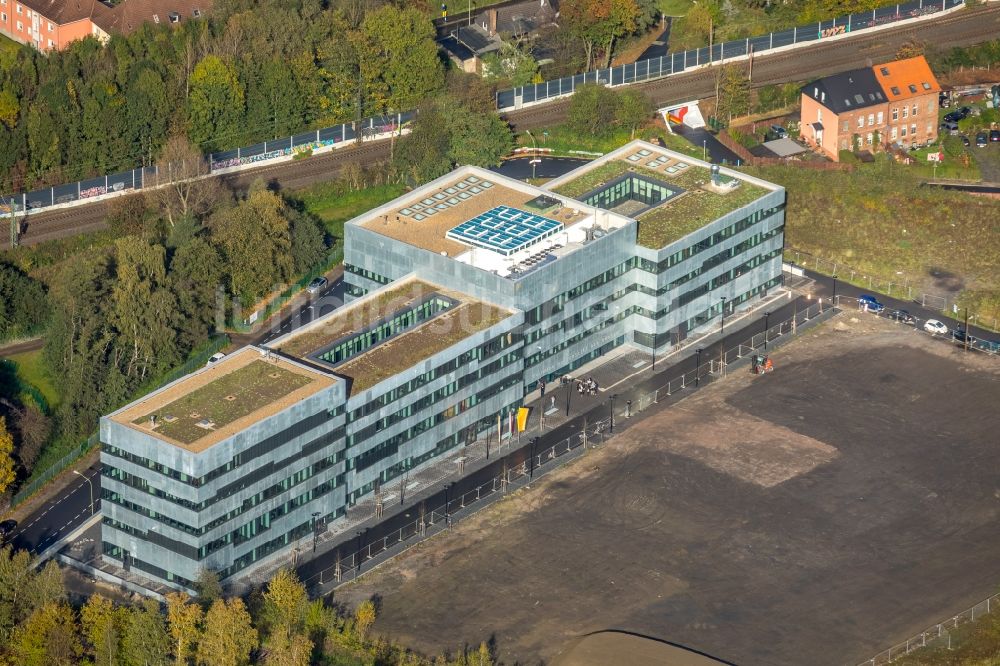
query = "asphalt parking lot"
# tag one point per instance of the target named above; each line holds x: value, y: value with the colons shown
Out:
x: 814, y: 515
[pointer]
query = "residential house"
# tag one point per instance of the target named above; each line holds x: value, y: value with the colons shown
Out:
x: 843, y: 112
x: 467, y: 45
x: 913, y: 92
x: 891, y: 104
x: 52, y: 24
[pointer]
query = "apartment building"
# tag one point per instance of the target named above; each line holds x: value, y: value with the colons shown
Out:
x: 53, y: 24
x: 892, y: 104
x: 464, y: 294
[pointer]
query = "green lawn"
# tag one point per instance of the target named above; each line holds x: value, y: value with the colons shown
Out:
x: 563, y: 140
x: 674, y: 7
x: 970, y: 644
x: 32, y: 372
x: 334, y: 204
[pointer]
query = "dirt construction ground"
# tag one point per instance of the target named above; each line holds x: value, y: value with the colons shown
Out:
x: 815, y: 516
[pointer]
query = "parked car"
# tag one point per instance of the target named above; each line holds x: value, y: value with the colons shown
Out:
x: 779, y: 131
x: 994, y: 135
x: 965, y: 141
x: 7, y: 528
x: 949, y: 126
x: 953, y: 117
x: 981, y: 140
x: 902, y: 316
x: 316, y: 285
x: 960, y: 336
x: 215, y: 358
x: 935, y: 327
x: 870, y: 303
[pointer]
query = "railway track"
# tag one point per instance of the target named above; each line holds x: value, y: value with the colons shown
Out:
x: 961, y: 28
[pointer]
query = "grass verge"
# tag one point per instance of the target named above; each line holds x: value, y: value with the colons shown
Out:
x: 971, y: 644
x: 31, y: 370
x: 563, y: 140
x: 334, y: 204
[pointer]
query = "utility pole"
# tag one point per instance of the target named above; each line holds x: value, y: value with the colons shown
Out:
x: 966, y: 329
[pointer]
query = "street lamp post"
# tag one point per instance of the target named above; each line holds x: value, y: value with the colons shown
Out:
x: 697, y: 367
x: 315, y: 516
x: 568, y: 381
x: 722, y: 330
x: 534, y: 150
x: 704, y: 150
x: 612, y: 428
x: 834, y: 299
x: 531, y: 460
x: 91, y: 484
x: 767, y: 315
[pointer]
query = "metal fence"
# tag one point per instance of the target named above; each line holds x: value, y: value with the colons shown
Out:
x: 148, y: 177
x: 193, y: 363
x: 939, y: 635
x: 520, y: 465
x: 675, y: 63
x: 898, y: 287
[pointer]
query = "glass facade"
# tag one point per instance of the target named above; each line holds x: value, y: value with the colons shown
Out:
x: 631, y: 187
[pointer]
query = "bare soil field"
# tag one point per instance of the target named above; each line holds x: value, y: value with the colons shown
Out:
x: 810, y: 516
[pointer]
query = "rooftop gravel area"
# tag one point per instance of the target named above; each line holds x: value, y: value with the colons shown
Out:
x: 355, y: 317
x: 223, y: 399
x: 433, y: 336
x: 678, y: 217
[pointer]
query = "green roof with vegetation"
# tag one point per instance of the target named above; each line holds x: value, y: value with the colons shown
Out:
x: 356, y: 317
x: 224, y: 400
x: 678, y: 217
x: 434, y: 336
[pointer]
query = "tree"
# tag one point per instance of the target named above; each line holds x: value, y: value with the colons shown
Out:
x: 142, y: 309
x: 215, y: 104
x: 308, y: 242
x: 47, y: 638
x: 592, y: 110
x: 228, y: 635
x: 422, y: 155
x: 127, y: 214
x: 7, y: 475
x: 254, y: 240
x: 734, y: 92
x: 23, y: 306
x: 34, y: 429
x: 364, y: 618
x: 102, y: 626
x: 285, y: 648
x: 480, y: 139
x: 9, y: 108
x: 398, y: 58
x: 195, y: 278
x: 208, y: 587
x: 512, y: 65
x: 634, y: 109
x: 601, y: 23
x: 146, y: 642
x: 184, y: 193
x: 183, y: 618
x: 285, y: 602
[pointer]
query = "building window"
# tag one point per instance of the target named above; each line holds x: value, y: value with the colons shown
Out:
x: 19, y: 26
x: 914, y: 111
x: 895, y: 115
x: 819, y: 115
x: 50, y: 27
x: 902, y: 131
x: 913, y: 129
x: 846, y: 126
x: 20, y: 9
x: 51, y: 44
x: 3, y: 17
x: 880, y: 118
x: 906, y: 111
x: 871, y: 119
x: 861, y: 121
x: 893, y: 136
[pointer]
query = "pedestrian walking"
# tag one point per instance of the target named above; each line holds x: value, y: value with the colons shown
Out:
x: 628, y: 409
x: 541, y: 387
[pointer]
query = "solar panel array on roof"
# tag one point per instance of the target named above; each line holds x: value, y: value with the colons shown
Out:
x: 505, y: 230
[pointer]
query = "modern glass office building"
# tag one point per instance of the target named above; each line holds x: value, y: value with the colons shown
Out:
x: 465, y: 292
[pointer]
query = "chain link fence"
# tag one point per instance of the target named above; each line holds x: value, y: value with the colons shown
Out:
x: 899, y: 286
x: 938, y: 635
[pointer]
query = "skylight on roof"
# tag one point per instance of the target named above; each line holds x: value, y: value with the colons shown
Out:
x: 926, y: 85
x: 885, y: 71
x: 895, y: 90
x: 847, y: 102
x: 859, y: 99
x: 913, y: 88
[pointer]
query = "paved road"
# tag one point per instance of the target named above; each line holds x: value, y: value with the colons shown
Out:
x: 660, y: 45
x: 958, y: 29
x: 547, y: 167
x: 61, y: 515
x: 20, y: 347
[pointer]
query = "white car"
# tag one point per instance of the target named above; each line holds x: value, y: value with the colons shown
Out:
x: 935, y: 327
x: 216, y: 357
